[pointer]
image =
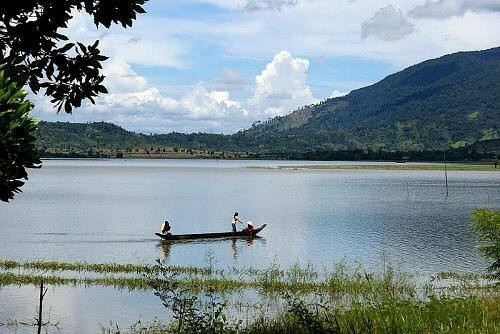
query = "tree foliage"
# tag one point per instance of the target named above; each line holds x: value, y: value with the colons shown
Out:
x: 486, y: 223
x: 17, y: 143
x: 84, y: 137
x: 33, y: 50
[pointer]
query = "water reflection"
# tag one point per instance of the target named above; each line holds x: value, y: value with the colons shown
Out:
x: 164, y: 249
x: 234, y: 249
x: 250, y: 242
x: 166, y: 246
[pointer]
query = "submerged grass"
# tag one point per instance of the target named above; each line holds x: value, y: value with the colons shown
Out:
x: 103, y: 268
x: 273, y: 279
x: 346, y: 299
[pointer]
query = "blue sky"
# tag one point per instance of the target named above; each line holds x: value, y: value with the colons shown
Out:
x: 220, y: 65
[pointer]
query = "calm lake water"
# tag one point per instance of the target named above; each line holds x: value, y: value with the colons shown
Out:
x: 108, y: 211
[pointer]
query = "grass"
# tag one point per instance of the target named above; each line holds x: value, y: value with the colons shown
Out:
x: 97, y: 267
x: 449, y: 167
x: 273, y: 279
x: 346, y: 299
x: 438, y: 315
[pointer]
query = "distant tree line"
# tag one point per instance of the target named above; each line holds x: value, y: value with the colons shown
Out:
x: 454, y: 154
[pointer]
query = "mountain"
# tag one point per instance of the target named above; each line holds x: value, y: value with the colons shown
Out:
x: 452, y: 101
x: 445, y: 102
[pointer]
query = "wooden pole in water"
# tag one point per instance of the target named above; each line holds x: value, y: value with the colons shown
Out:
x: 445, y: 173
x: 42, y: 294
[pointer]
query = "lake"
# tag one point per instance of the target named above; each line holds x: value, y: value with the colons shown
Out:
x: 108, y: 211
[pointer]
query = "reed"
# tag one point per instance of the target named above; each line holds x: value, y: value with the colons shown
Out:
x: 268, y: 280
x: 343, y: 280
x: 53, y: 266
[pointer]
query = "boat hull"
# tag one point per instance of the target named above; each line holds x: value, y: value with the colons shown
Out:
x: 238, y: 234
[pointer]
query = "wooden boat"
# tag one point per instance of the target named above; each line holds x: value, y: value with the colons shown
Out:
x: 238, y: 234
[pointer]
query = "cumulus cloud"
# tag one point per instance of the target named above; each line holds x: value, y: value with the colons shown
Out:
x: 231, y: 80
x: 137, y: 105
x: 256, y: 5
x: 281, y: 86
x: 337, y: 93
x: 441, y: 9
x: 210, y: 105
x: 120, y: 77
x: 388, y: 24
x: 198, y: 104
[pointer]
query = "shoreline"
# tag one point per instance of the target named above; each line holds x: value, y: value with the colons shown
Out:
x: 400, y: 167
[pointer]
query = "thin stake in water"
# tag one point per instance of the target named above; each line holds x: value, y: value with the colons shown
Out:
x: 445, y: 173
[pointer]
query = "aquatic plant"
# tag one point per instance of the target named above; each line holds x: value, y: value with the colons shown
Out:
x: 345, y: 299
x: 97, y: 267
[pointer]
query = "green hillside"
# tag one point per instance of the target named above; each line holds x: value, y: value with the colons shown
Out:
x: 84, y: 136
x: 449, y: 102
x: 446, y: 102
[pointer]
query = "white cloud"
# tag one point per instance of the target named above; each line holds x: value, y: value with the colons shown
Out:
x: 337, y: 93
x: 121, y: 78
x: 143, y: 44
x: 279, y: 89
x: 256, y: 5
x: 159, y: 70
x: 441, y: 9
x: 230, y: 80
x: 281, y: 86
x: 136, y: 105
x: 210, y: 105
x: 199, y: 104
x: 145, y: 49
x: 387, y: 24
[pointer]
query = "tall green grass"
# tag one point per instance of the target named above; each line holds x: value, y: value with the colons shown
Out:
x: 345, y: 299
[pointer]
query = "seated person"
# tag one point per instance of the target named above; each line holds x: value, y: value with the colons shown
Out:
x: 249, y: 226
x: 165, y: 227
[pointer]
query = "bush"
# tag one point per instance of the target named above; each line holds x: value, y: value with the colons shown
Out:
x: 486, y: 223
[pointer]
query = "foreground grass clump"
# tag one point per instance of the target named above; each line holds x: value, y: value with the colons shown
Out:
x: 486, y: 224
x: 437, y: 315
x: 468, y: 314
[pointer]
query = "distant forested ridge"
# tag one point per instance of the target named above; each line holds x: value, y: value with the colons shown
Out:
x: 106, y: 140
x: 446, y: 102
x: 450, y: 102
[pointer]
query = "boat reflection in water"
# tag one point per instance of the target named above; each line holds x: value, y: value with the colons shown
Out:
x: 234, y: 249
x: 165, y: 246
x: 164, y: 249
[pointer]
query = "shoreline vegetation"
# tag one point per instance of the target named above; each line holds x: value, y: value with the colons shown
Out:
x: 402, y: 166
x: 107, y: 140
x: 472, y: 158
x: 305, y: 299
